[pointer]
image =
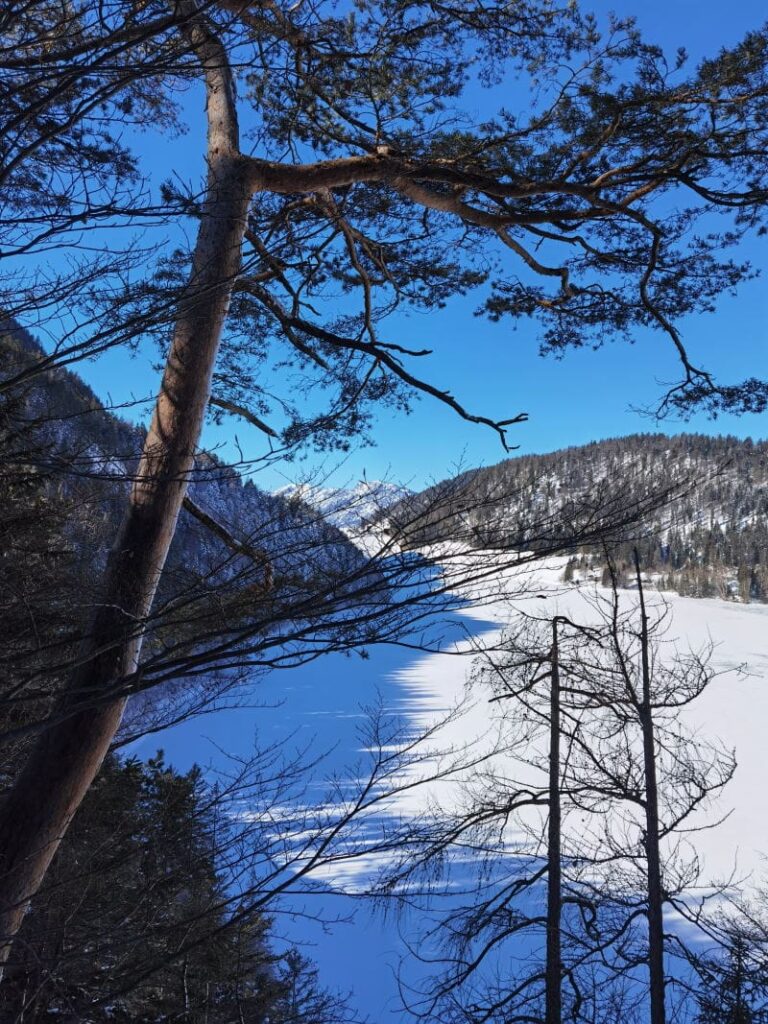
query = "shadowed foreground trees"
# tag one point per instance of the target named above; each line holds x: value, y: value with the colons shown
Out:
x: 360, y: 139
x: 134, y: 925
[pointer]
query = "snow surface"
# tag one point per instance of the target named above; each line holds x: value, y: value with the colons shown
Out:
x: 323, y: 701
x: 734, y: 709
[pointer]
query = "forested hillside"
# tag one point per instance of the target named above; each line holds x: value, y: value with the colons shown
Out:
x: 238, y: 554
x: 139, y: 923
x: 80, y: 448
x: 709, y: 540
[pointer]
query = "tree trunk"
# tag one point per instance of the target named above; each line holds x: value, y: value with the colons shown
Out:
x: 652, y: 852
x: 553, y: 983
x: 60, y: 768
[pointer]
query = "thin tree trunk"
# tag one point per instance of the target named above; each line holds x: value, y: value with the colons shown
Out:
x: 652, y: 852
x: 63, y: 763
x: 553, y: 983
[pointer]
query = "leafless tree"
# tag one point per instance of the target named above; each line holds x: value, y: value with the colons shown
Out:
x: 584, y: 829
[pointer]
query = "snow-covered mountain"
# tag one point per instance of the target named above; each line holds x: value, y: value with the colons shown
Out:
x: 708, y: 537
x: 348, y: 508
x: 710, y: 541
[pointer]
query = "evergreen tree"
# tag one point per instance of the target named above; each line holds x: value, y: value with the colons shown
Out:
x: 134, y: 923
x: 735, y: 983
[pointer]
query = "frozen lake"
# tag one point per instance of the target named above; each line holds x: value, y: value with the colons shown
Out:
x: 322, y: 705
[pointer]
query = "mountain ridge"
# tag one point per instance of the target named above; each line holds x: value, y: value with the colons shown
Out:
x: 711, y: 541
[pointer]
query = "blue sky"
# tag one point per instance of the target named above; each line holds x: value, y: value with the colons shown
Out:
x: 497, y: 371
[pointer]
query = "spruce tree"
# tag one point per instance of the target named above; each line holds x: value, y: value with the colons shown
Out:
x: 735, y: 983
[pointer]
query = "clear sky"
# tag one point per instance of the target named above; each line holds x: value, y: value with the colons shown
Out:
x: 497, y: 371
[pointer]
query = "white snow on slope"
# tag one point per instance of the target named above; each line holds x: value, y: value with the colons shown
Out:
x: 348, y: 507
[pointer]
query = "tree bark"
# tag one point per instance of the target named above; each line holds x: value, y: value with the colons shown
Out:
x: 61, y: 766
x: 553, y: 972
x: 652, y: 851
